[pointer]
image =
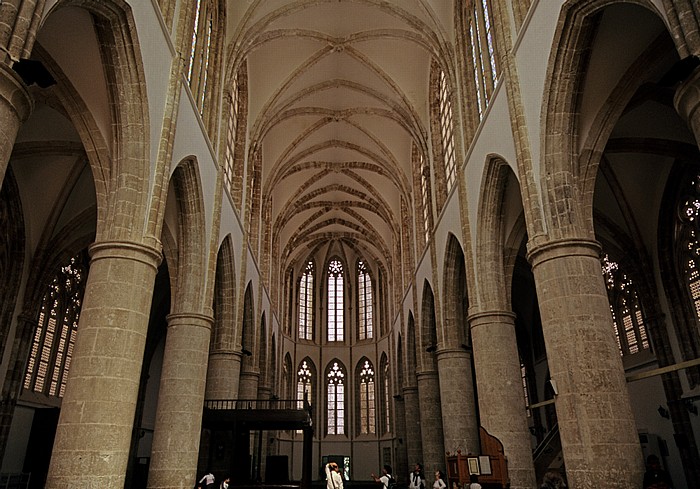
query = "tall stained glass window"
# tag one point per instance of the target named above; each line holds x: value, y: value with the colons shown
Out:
x: 306, y: 303
x: 336, y: 327
x: 335, y: 378
x: 364, y: 307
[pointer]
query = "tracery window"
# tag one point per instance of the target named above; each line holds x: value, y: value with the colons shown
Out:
x: 367, y: 409
x: 425, y: 195
x: 689, y: 243
x: 231, y: 131
x: 306, y: 303
x: 335, y: 378
x: 57, y: 326
x: 336, y: 330
x: 447, y: 131
x: 481, y: 50
x: 201, y: 50
x: 386, y: 394
x: 364, y: 307
x: 630, y: 330
x: 304, y: 383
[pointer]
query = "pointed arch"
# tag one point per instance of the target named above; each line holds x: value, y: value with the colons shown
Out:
x: 248, y: 328
x: 336, y: 399
x: 224, y: 298
x: 366, y: 391
x: 384, y: 394
x: 306, y: 382
x: 428, y: 330
x: 456, y: 295
x: 287, y: 377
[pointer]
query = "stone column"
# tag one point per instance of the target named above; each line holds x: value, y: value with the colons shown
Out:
x: 93, y: 436
x: 687, y: 102
x: 597, y: 428
x: 400, y: 457
x: 431, y: 422
x: 15, y: 106
x: 223, y: 375
x: 413, y: 439
x: 248, y: 387
x: 180, y: 401
x: 459, y: 423
x: 501, y: 399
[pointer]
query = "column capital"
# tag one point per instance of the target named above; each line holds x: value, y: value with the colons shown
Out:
x: 559, y: 248
x: 126, y: 250
x: 687, y: 102
x: 453, y: 352
x: 190, y: 319
x: 479, y: 318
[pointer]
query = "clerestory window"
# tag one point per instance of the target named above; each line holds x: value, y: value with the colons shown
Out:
x: 336, y: 313
x: 447, y: 131
x: 481, y: 50
x: 364, y: 306
x: 306, y: 303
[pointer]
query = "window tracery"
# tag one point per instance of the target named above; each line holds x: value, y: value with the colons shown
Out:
x: 364, y: 307
x: 306, y: 302
x: 447, y: 131
x: 481, y: 50
x: 367, y: 409
x: 336, y: 330
x: 52, y: 347
x: 335, y: 378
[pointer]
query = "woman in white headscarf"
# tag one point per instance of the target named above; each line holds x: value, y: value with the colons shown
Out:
x: 333, y: 478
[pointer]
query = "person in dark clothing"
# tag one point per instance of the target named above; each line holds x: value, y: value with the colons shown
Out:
x: 656, y: 477
x: 552, y: 480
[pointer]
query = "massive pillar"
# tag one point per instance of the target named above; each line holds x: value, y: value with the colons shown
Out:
x: 400, y: 456
x: 248, y: 387
x: 180, y: 401
x: 93, y: 437
x: 597, y: 428
x: 459, y: 423
x: 223, y: 374
x: 687, y: 102
x: 15, y: 106
x: 413, y: 440
x: 431, y: 421
x: 501, y: 398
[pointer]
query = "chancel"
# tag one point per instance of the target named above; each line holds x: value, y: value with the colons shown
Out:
x: 252, y: 238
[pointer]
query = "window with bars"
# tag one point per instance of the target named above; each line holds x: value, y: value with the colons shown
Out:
x: 386, y: 394
x: 425, y: 195
x: 481, y: 50
x: 447, y: 131
x: 626, y: 310
x: 306, y: 303
x: 335, y: 378
x: 57, y: 326
x: 364, y: 307
x: 201, y: 50
x: 231, y: 129
x: 367, y: 409
x: 304, y: 382
x: 336, y: 329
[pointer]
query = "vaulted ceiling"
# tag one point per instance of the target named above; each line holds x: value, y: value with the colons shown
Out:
x: 338, y: 94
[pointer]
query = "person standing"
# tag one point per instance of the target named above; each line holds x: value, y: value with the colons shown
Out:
x: 439, y: 480
x: 474, y: 482
x: 333, y: 478
x: 386, y: 479
x: 656, y: 477
x: 207, y: 482
x: 224, y: 483
x: 416, y: 479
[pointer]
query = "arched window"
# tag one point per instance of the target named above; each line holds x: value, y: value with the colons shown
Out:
x: 385, y: 394
x: 364, y: 306
x: 201, y: 50
x: 447, y: 131
x: 304, y: 382
x: 231, y: 131
x: 306, y: 303
x: 367, y: 409
x: 335, y: 378
x: 481, y: 50
x: 287, y: 377
x: 335, y: 302
x: 626, y: 310
x: 52, y: 347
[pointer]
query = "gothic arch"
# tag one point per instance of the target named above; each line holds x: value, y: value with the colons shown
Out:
x: 490, y: 229
x: 127, y: 192
x: 191, y: 248
x: 248, y: 327
x: 428, y: 330
x: 568, y: 62
x: 223, y: 334
x: 456, y: 300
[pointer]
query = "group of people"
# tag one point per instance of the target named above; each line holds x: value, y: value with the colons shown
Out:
x: 654, y: 478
